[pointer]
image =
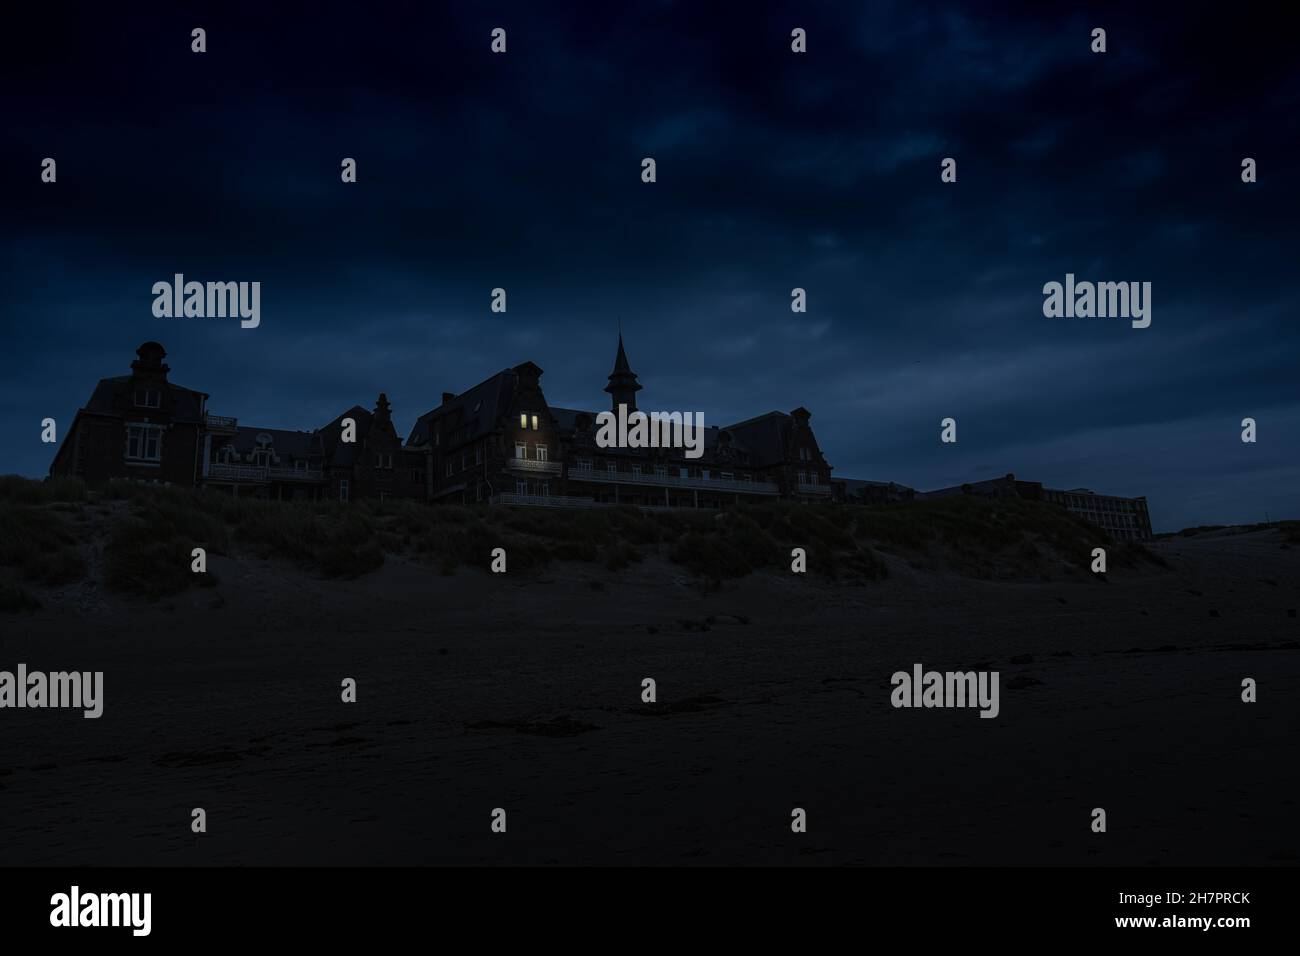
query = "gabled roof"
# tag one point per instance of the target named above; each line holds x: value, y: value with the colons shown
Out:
x: 187, y: 404
x: 477, y: 409
x: 763, y: 437
x: 340, y: 452
x: 566, y: 419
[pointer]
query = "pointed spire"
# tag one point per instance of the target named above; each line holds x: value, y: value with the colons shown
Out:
x: 623, y: 385
x: 620, y: 360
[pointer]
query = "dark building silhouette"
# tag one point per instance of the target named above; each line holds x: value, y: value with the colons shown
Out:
x: 498, y: 442
x: 140, y: 427
x: 1122, y: 518
x: 502, y: 442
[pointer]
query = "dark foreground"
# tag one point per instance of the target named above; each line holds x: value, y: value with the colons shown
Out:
x: 523, y: 692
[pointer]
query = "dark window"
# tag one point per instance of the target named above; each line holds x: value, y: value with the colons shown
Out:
x: 148, y: 397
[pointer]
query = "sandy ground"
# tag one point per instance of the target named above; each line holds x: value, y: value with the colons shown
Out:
x: 524, y: 692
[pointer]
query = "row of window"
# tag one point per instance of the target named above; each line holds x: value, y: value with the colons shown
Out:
x: 523, y: 420
x: 464, y: 460
x: 1092, y: 502
x: 521, y: 451
x: 585, y: 465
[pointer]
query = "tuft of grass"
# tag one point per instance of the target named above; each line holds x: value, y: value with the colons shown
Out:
x: 19, y: 490
x: 36, y: 541
x: 14, y: 599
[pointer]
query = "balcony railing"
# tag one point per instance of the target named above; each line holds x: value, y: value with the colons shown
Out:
x: 578, y: 473
x: 536, y: 467
x: 220, y: 423
x: 807, y: 488
x: 544, y: 501
x: 295, y: 474
x: 257, y: 473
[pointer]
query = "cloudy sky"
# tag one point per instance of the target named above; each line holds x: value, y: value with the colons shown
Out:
x: 775, y: 170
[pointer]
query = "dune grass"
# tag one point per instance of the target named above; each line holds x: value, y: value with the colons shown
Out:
x: 37, y: 541
x: 14, y: 598
x: 152, y: 531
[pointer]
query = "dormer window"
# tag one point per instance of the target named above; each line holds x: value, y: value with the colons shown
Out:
x: 148, y: 398
x: 262, y: 452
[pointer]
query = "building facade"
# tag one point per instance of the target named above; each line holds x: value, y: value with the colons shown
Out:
x: 499, y: 442
x: 139, y: 427
x: 503, y: 443
x: 1122, y: 518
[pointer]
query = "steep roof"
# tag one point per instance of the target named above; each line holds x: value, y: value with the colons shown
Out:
x: 340, y: 452
x: 476, y: 410
x: 621, y: 367
x: 286, y: 443
x: 187, y: 404
x: 763, y: 437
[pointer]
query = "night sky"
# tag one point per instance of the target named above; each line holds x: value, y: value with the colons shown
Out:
x: 775, y: 170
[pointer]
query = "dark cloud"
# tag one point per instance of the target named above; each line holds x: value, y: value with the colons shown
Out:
x: 775, y: 171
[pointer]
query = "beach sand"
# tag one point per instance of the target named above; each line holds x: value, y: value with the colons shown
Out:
x: 478, y: 691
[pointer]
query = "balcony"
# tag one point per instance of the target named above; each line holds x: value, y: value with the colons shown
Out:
x: 807, y: 488
x: 534, y: 467
x: 258, y: 474
x: 220, y: 423
x: 544, y: 501
x: 577, y: 473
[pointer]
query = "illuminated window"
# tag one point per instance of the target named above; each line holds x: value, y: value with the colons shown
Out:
x: 523, y: 419
x: 534, y: 423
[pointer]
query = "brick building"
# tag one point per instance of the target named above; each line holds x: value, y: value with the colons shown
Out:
x: 499, y: 442
x: 140, y: 427
x: 502, y: 442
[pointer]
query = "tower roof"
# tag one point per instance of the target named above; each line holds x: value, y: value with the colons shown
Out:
x: 620, y: 360
x: 622, y: 379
